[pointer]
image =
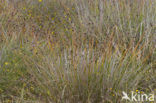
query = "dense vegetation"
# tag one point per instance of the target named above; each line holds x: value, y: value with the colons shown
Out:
x: 76, y: 51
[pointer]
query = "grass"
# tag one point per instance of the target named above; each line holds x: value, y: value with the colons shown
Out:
x: 76, y: 51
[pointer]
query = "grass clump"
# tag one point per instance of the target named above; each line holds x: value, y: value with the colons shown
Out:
x: 75, y: 51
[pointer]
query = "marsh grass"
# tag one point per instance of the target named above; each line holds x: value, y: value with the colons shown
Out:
x: 72, y: 51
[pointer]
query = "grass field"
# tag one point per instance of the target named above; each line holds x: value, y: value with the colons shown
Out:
x: 76, y: 51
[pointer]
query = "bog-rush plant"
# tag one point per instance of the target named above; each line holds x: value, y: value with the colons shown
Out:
x: 76, y: 51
